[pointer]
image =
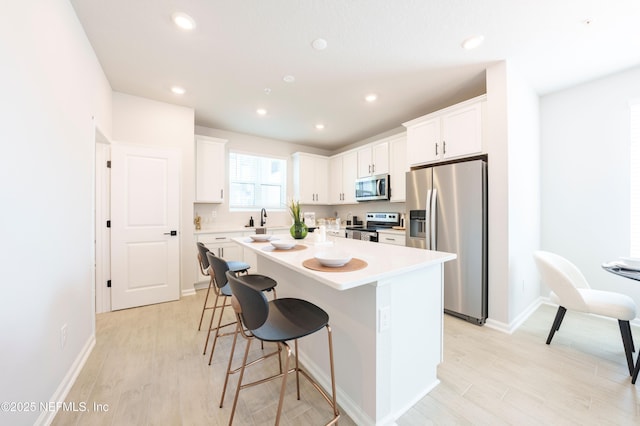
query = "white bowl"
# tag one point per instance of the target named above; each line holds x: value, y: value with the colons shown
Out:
x: 631, y: 262
x: 333, y: 258
x: 283, y: 245
x: 260, y: 237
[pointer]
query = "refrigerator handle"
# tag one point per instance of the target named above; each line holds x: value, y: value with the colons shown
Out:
x: 432, y: 220
x: 427, y: 209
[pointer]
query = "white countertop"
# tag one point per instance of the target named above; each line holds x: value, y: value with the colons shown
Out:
x: 384, y: 260
x: 229, y: 229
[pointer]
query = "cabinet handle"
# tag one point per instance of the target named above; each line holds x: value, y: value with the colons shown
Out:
x: 222, y: 193
x: 221, y: 238
x: 373, y: 168
x: 436, y: 148
x: 444, y: 147
x: 222, y: 252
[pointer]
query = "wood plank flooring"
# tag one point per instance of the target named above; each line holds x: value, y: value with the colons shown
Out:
x: 148, y: 369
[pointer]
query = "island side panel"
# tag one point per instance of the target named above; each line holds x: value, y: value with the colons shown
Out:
x: 415, y: 336
x: 352, y: 317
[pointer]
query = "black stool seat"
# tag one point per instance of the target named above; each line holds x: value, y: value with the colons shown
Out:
x: 291, y: 319
x: 279, y: 321
x: 218, y: 269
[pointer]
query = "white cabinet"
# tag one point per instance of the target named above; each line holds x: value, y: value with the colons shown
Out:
x: 222, y: 246
x: 453, y: 132
x: 210, y: 169
x: 342, y: 178
x: 373, y: 159
x: 310, y: 178
x: 391, y: 237
x: 398, y: 167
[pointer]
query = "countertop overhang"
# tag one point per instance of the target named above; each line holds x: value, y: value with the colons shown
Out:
x: 383, y: 260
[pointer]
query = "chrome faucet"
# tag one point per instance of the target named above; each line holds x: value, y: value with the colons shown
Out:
x: 263, y: 215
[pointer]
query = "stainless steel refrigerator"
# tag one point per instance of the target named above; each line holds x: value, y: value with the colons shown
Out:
x: 447, y: 211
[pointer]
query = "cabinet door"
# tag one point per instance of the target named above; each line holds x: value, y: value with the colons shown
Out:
x: 462, y: 131
x: 306, y: 179
x: 380, y: 160
x: 398, y: 168
x: 321, y: 169
x: 364, y: 162
x: 349, y: 176
x: 210, y: 169
x: 335, y: 179
x: 423, y: 142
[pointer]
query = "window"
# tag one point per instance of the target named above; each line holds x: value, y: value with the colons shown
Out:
x: 634, y: 155
x: 256, y: 182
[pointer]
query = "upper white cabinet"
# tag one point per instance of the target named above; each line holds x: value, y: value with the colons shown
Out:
x: 453, y: 132
x: 398, y: 167
x: 210, y: 169
x: 342, y: 178
x: 310, y: 176
x: 373, y: 159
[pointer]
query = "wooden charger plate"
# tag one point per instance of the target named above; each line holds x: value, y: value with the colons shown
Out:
x: 353, y: 265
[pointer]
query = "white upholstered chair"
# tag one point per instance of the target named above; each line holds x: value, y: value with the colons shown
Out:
x: 570, y: 290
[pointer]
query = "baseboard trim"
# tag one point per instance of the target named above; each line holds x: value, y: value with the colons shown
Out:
x: 509, y: 328
x: 59, y: 396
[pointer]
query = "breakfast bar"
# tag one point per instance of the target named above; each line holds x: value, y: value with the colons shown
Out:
x: 385, y: 308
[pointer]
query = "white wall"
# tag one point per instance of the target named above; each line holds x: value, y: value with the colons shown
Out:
x: 514, y: 226
x: 585, y: 176
x: 53, y: 85
x: 145, y: 122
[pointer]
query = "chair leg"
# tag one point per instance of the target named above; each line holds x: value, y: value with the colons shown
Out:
x: 204, y: 307
x: 213, y: 314
x: 634, y: 377
x: 244, y: 363
x: 627, y: 341
x: 556, y: 322
x: 283, y: 388
x: 233, y: 349
x: 215, y: 337
x: 336, y: 413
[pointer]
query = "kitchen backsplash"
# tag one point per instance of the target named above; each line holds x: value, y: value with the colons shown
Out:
x: 218, y: 215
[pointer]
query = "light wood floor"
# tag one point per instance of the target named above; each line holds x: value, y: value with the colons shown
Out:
x: 148, y: 368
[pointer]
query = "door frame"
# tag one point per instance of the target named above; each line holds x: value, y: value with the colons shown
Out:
x: 102, y: 214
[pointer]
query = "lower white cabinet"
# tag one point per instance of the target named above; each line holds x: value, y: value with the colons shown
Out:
x: 391, y: 237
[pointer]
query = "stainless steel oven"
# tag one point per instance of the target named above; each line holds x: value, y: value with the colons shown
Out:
x: 374, y: 222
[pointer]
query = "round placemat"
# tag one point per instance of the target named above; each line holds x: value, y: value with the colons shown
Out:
x: 353, y: 265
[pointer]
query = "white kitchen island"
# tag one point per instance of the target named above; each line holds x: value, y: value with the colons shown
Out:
x: 386, y: 321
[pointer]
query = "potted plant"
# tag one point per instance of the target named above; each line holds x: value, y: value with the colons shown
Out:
x: 298, y: 230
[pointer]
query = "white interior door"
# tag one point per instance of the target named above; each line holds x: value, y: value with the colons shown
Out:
x: 145, y: 245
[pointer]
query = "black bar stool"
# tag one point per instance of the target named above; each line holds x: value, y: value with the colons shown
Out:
x: 203, y: 263
x: 218, y: 269
x: 279, y: 321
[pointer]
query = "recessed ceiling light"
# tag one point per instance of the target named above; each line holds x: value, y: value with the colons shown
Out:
x: 178, y: 90
x: 267, y: 91
x: 319, y: 126
x: 261, y: 111
x: 289, y: 78
x: 319, y: 44
x: 472, y: 42
x: 183, y: 21
x: 371, y: 97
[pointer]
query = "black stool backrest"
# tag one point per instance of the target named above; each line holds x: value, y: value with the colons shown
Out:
x: 203, y: 255
x: 254, y: 305
x: 220, y: 269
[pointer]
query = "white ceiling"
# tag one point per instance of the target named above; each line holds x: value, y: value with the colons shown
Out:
x: 406, y: 51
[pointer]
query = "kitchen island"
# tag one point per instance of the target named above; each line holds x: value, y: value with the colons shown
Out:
x: 386, y: 320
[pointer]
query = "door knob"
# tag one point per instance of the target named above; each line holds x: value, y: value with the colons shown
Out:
x: 172, y: 233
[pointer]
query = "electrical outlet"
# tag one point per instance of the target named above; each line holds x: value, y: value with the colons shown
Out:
x: 384, y: 318
x: 63, y: 336
x: 214, y: 214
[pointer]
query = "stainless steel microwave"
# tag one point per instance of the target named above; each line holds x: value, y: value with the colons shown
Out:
x: 373, y: 188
